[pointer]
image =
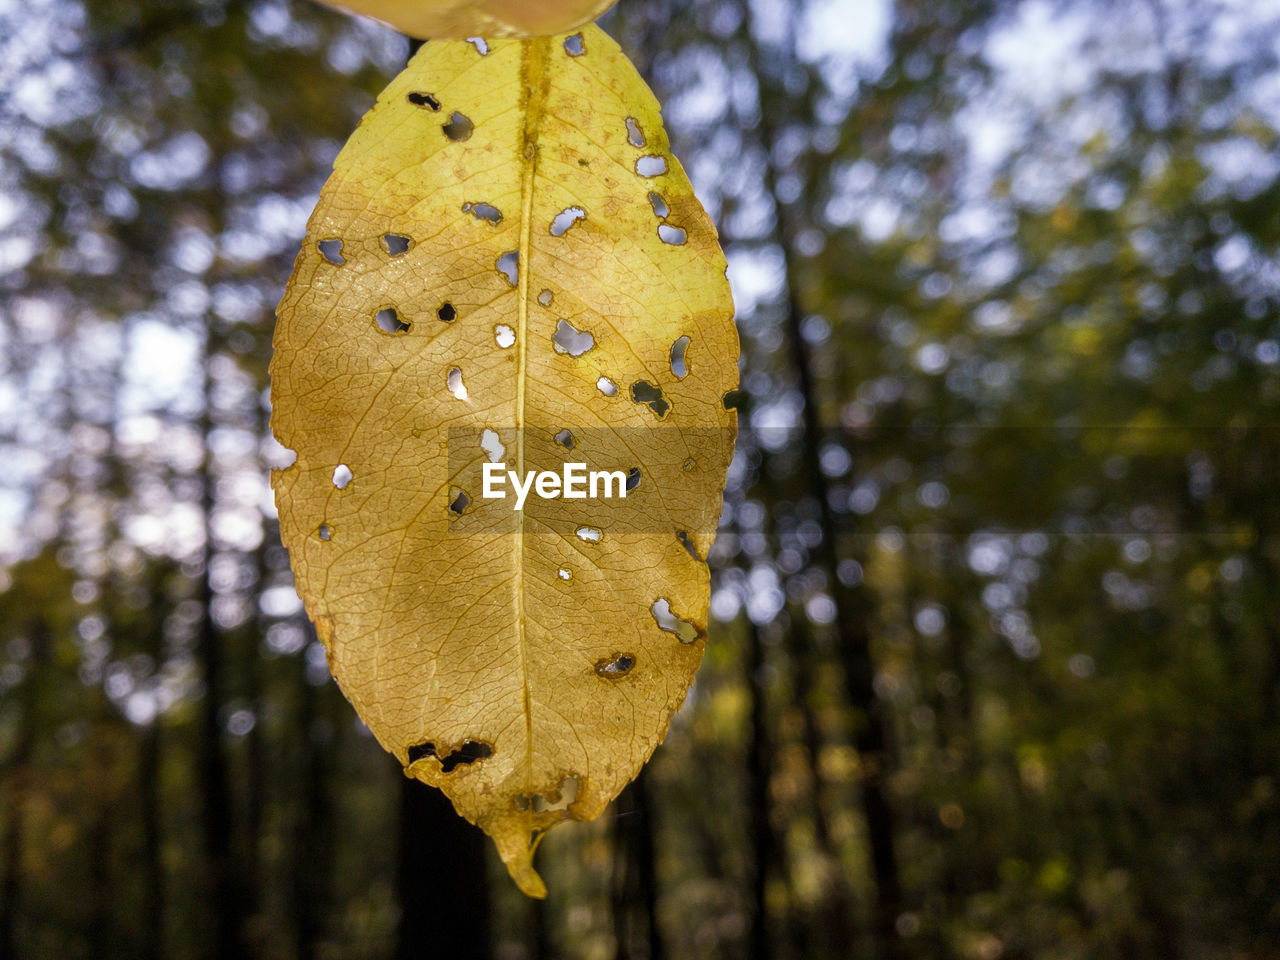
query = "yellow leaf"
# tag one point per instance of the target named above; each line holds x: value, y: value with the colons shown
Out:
x: 508, y: 264
x: 446, y: 19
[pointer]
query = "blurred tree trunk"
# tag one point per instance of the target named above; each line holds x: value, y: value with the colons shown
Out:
x: 759, y: 822
x: 828, y: 929
x: 853, y: 633
x: 854, y: 609
x: 541, y: 931
x: 800, y: 655
x: 100, y: 912
x: 18, y: 779
x: 964, y: 871
x: 828, y: 932
x: 10, y: 880
x: 153, y: 909
x: 1269, y: 575
x: 256, y: 775
x: 443, y: 886
x: 312, y: 863
x: 306, y: 859
x: 635, y: 880
x: 226, y: 903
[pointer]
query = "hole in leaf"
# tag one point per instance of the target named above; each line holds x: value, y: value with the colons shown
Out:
x: 447, y: 313
x: 483, y: 211
x: 459, y: 127
x: 567, y: 793
x: 389, y: 321
x: 564, y: 574
x: 396, y: 244
x: 565, y: 219
x: 427, y: 100
x: 633, y: 478
x: 678, y: 366
x: 642, y: 391
x: 325, y: 532
x: 734, y: 399
x: 574, y: 46
x: 331, y: 250
x: 670, y: 234
x: 509, y: 266
x: 589, y: 534
x: 545, y: 298
x: 687, y: 542
x: 616, y: 666
x: 342, y: 476
x: 635, y: 136
x: 659, y: 204
x: 504, y: 335
x: 569, y: 340
x: 420, y: 750
x: 482, y: 47
x: 565, y: 438
x: 651, y: 166
x: 492, y: 446
x: 469, y: 752
x: 689, y: 465
x: 454, y: 382
x: 458, y: 501
x: 607, y: 387
x: 684, y: 630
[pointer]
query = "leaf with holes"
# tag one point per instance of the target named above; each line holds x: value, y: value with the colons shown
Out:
x: 486, y: 280
x: 445, y: 19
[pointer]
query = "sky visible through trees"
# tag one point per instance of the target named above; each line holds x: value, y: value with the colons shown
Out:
x: 994, y: 661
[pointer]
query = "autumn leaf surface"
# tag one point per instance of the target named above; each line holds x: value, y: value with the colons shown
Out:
x: 445, y: 19
x: 508, y: 264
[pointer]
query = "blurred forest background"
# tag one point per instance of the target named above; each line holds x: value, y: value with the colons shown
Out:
x: 994, y: 669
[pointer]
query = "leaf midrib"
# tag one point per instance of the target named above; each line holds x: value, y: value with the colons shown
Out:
x: 535, y: 81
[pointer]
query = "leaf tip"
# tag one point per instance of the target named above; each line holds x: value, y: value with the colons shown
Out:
x: 519, y: 864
